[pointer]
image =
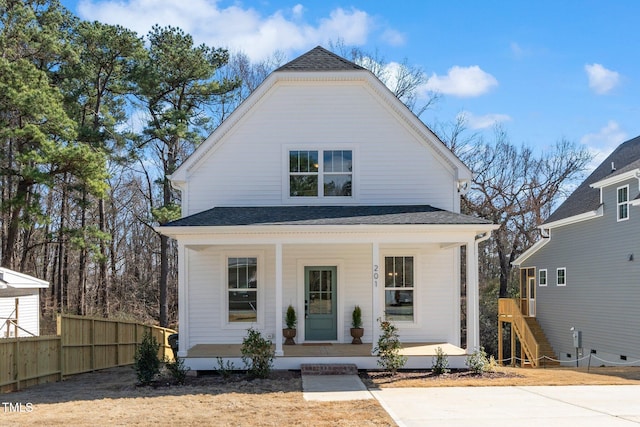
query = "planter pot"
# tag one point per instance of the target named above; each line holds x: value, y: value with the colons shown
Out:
x: 289, y: 335
x: 356, y: 334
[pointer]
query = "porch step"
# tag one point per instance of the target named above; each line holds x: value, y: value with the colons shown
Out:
x: 328, y: 369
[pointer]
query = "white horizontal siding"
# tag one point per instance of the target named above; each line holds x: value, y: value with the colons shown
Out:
x: 437, y: 297
x: 392, y: 167
x: 28, y: 313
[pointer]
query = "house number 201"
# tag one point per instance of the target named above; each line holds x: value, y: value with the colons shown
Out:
x: 376, y: 275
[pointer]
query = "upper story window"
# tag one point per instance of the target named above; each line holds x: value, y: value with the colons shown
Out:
x: 542, y: 277
x: 623, y: 203
x: 320, y: 173
x: 561, y: 276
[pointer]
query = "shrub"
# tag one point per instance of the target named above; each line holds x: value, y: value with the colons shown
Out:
x: 177, y: 370
x: 478, y: 362
x: 440, y: 362
x: 225, y: 368
x: 388, y: 348
x: 257, y: 354
x: 146, y: 362
x: 356, y: 317
x: 290, y: 318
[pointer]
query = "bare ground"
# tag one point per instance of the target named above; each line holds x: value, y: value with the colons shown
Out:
x: 110, y: 397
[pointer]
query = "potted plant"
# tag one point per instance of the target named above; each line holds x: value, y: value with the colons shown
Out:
x: 290, y: 320
x: 357, y: 331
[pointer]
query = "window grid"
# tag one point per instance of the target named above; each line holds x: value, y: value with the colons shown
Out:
x: 542, y: 277
x: 399, y: 288
x: 320, y: 173
x: 561, y: 275
x: 623, y: 203
x: 242, y: 293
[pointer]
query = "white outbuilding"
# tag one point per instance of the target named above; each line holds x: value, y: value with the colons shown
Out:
x: 19, y: 304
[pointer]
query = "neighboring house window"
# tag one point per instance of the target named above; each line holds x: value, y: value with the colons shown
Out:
x: 562, y: 276
x: 623, y: 203
x: 399, y: 288
x: 542, y: 277
x: 242, y: 282
x: 318, y: 173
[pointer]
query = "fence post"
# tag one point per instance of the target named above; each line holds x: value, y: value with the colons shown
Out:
x: 16, y: 365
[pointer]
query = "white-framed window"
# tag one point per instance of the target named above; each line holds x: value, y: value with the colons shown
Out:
x: 623, y: 203
x: 320, y: 173
x: 242, y: 289
x: 542, y: 277
x: 561, y: 276
x: 399, y: 288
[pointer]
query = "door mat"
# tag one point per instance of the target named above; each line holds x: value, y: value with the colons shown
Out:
x: 316, y: 343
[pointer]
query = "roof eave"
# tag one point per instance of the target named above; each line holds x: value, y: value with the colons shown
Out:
x: 574, y: 219
x: 635, y: 173
x: 275, y: 229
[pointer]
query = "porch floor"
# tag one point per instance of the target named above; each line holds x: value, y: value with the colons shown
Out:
x: 325, y: 350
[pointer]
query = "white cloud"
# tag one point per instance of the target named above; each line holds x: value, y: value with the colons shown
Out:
x: 234, y: 27
x: 462, y: 82
x: 601, y: 80
x: 393, y: 37
x: 603, y: 142
x: 484, y: 121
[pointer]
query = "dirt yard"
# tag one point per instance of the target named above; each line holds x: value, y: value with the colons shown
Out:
x: 110, y: 397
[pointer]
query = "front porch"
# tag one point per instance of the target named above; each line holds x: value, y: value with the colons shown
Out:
x: 419, y: 355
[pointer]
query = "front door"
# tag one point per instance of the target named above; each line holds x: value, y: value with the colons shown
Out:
x: 320, y: 303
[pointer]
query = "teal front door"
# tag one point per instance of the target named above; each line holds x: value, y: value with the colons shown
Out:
x: 320, y: 303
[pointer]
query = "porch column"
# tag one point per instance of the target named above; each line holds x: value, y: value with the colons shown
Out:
x: 183, y: 302
x: 278, y: 333
x: 473, y: 307
x: 375, y: 294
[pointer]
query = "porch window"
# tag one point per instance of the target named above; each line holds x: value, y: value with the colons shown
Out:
x: 562, y: 276
x: 623, y: 203
x: 399, y: 286
x: 542, y: 277
x: 242, y: 281
x: 320, y: 173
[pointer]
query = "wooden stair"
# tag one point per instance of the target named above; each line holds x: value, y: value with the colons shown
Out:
x: 545, y: 350
x: 535, y: 347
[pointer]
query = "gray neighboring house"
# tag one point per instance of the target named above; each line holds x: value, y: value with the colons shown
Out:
x: 585, y: 272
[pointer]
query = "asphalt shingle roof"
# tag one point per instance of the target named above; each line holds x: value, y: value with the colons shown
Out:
x: 319, y: 59
x: 325, y: 215
x: 585, y: 199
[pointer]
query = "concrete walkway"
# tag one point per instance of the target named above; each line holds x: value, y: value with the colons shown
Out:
x: 560, y: 406
x: 550, y: 406
x: 329, y: 388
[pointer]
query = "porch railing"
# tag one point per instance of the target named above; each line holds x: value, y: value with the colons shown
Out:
x: 509, y: 311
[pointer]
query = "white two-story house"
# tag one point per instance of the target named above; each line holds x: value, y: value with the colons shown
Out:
x: 323, y: 191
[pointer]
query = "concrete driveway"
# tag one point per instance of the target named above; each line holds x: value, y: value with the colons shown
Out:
x: 550, y: 406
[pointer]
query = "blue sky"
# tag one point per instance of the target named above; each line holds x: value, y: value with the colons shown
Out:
x: 544, y: 70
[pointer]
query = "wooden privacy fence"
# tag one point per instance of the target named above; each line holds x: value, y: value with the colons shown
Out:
x: 82, y: 344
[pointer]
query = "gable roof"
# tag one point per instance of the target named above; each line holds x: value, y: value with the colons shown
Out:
x: 320, y: 64
x: 320, y: 59
x: 15, y: 279
x: 585, y: 198
x: 325, y: 215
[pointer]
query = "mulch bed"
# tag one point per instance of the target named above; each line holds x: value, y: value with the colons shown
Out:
x: 375, y: 378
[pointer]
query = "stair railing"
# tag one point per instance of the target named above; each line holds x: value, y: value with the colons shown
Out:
x: 508, y: 307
